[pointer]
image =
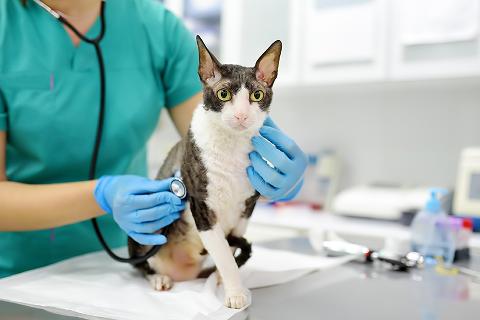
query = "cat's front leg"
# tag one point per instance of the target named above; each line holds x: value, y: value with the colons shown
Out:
x: 241, y: 227
x: 217, y: 246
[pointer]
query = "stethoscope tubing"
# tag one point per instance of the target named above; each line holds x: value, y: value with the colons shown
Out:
x: 101, y: 119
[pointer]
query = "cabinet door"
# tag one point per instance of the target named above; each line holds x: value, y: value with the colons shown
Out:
x: 344, y: 41
x: 435, y: 39
x: 249, y: 27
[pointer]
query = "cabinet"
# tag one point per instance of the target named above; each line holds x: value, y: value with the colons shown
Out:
x: 343, y: 41
x: 317, y: 37
x: 434, y: 39
x: 351, y: 41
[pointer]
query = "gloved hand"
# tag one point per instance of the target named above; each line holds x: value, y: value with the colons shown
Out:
x: 284, y: 181
x: 140, y: 206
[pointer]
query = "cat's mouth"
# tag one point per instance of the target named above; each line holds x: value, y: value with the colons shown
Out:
x: 240, y: 127
x: 236, y: 125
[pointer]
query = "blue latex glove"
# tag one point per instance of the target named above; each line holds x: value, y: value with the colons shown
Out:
x: 284, y: 181
x: 140, y: 206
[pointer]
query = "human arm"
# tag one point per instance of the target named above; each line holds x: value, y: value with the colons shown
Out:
x: 181, y: 114
x: 26, y: 207
x: 285, y: 179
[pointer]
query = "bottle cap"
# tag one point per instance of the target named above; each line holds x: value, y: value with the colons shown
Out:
x: 467, y: 224
x: 433, y: 204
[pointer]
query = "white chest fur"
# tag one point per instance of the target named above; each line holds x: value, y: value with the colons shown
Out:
x: 225, y: 156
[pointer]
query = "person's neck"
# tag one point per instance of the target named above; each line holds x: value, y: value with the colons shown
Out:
x: 73, y: 8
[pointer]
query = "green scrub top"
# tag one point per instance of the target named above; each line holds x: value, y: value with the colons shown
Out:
x: 49, y: 101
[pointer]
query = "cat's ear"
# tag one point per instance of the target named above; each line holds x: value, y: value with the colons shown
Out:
x: 266, y: 68
x: 209, y: 67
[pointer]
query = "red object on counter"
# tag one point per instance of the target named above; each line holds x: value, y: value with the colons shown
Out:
x: 311, y: 205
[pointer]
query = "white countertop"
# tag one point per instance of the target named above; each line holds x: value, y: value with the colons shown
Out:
x: 303, y: 220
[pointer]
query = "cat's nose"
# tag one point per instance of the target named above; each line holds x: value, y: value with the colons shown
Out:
x: 241, y: 116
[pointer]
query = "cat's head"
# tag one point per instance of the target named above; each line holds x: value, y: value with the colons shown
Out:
x: 237, y: 97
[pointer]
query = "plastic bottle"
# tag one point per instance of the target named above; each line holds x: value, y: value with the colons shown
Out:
x: 309, y: 192
x: 431, y: 235
x: 327, y: 175
x: 320, y: 180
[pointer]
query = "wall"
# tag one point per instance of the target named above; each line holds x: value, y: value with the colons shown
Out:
x: 409, y: 132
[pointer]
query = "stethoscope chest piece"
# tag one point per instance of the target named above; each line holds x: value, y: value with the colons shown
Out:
x: 177, y: 187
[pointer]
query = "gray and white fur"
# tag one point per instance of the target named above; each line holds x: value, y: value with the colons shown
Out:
x: 212, y: 159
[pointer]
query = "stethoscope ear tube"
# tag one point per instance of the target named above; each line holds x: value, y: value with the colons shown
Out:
x: 101, y: 115
x: 47, y: 8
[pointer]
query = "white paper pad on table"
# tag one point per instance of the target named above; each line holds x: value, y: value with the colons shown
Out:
x: 93, y: 286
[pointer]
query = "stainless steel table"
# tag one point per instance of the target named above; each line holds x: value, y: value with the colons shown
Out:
x: 354, y: 291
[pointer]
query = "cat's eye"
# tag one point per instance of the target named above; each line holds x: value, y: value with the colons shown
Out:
x: 224, y: 95
x: 257, y: 96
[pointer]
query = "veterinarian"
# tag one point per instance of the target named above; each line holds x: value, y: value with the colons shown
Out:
x: 49, y: 93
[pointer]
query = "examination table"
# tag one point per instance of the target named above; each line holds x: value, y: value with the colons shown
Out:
x: 351, y: 291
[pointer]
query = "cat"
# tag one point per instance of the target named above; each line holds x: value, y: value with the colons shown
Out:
x: 212, y: 160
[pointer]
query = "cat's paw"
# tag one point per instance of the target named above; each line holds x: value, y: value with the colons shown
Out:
x: 160, y: 282
x: 236, y: 300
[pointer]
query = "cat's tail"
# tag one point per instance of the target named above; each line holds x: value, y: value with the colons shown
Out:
x: 237, y: 243
x: 244, y: 246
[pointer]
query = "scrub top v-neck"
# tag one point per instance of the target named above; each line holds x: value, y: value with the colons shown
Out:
x: 49, y: 100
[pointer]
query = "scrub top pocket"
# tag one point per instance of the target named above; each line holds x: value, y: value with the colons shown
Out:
x: 30, y: 109
x: 29, y: 97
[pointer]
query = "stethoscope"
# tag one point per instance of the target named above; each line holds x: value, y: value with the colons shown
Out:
x: 177, y: 186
